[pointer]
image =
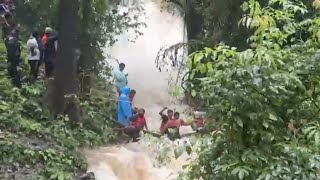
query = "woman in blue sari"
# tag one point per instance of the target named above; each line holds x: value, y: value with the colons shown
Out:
x: 124, y: 107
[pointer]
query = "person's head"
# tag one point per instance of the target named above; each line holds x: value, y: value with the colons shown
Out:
x: 35, y: 33
x: 48, y: 30
x: 132, y: 93
x: 170, y: 113
x: 176, y: 115
x: 13, y: 33
x: 135, y: 110
x: 141, y: 112
x: 164, y: 118
x: 122, y: 66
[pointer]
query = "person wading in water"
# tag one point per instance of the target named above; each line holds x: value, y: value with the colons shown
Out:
x: 173, y: 126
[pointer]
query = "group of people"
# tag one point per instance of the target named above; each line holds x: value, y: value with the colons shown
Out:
x: 132, y: 119
x: 171, y: 123
x: 40, y: 49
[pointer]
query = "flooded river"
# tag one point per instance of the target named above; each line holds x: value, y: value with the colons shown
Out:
x: 135, y: 161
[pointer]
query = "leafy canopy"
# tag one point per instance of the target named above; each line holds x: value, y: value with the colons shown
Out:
x: 264, y: 99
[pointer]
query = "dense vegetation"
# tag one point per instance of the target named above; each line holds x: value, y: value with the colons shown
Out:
x: 260, y: 87
x: 264, y: 100
x: 44, y: 126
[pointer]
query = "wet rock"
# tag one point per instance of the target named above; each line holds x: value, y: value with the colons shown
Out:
x: 88, y: 176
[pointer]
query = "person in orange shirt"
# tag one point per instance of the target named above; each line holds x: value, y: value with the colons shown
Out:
x: 45, y: 36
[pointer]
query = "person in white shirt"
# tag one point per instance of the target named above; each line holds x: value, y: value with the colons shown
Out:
x: 120, y: 78
x: 33, y: 53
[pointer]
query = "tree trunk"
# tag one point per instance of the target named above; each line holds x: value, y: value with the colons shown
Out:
x: 65, y: 75
x: 86, y: 61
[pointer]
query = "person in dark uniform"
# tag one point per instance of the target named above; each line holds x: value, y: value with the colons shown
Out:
x: 50, y: 52
x: 13, y: 58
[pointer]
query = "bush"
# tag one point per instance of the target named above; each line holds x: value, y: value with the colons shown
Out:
x: 264, y: 99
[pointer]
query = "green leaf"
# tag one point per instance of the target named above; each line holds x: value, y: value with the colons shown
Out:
x: 268, y: 177
x: 188, y: 149
x: 317, y: 138
x: 179, y: 151
x: 210, y: 67
x: 241, y: 174
x: 193, y: 93
x: 197, y: 57
x: 203, y: 68
x: 239, y: 121
x: 61, y: 176
x: 273, y: 117
x: 265, y: 124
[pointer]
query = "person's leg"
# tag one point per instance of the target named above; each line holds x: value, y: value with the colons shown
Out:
x: 52, y: 68
x: 132, y: 132
x: 16, y: 78
x: 136, y: 135
x: 40, y: 62
x: 46, y: 67
x: 49, y: 69
x: 10, y: 69
x: 33, y: 70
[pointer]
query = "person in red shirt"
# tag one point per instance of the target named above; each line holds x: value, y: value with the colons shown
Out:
x: 44, y: 38
x: 164, y: 117
x: 198, y: 121
x: 163, y: 123
x: 169, y: 113
x: 138, y: 123
x: 174, y: 123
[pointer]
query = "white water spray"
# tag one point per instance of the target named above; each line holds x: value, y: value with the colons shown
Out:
x: 133, y: 161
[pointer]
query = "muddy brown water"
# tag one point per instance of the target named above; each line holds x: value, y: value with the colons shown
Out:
x: 134, y: 161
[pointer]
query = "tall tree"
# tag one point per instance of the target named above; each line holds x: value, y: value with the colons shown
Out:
x: 65, y: 77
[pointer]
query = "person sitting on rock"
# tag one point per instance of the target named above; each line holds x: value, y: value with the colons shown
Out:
x: 138, y: 123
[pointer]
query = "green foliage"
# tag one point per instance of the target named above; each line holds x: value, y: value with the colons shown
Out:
x: 44, y: 146
x: 264, y: 99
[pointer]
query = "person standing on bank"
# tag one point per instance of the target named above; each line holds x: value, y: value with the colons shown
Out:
x: 120, y: 78
x: 13, y: 56
x: 33, y: 56
x: 50, y: 51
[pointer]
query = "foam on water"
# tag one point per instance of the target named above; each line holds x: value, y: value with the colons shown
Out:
x: 135, y: 161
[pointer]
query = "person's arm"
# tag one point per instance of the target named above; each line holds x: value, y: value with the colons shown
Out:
x: 161, y: 112
x: 164, y: 129
x: 56, y: 45
x: 183, y: 123
x: 146, y: 126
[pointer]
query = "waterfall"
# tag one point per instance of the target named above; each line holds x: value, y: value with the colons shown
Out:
x: 132, y: 161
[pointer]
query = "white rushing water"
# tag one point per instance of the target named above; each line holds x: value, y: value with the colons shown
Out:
x: 134, y: 161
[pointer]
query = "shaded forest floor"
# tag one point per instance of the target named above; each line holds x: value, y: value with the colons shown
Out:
x: 36, y: 145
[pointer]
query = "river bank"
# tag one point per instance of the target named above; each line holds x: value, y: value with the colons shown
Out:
x: 35, y: 145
